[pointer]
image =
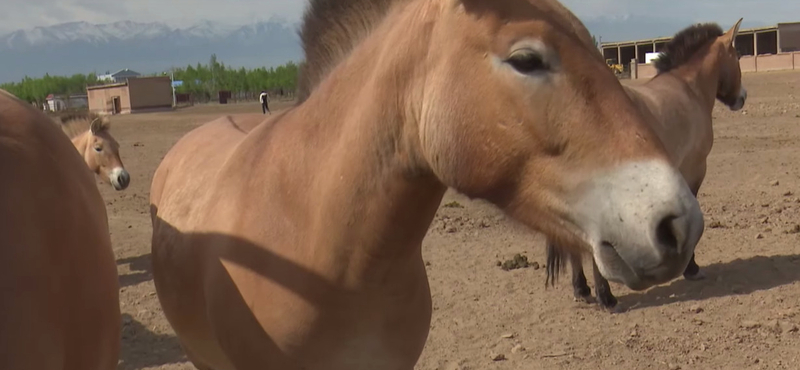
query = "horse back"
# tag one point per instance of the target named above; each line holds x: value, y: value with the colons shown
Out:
x: 216, y: 140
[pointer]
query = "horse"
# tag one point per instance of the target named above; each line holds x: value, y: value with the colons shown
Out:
x: 58, y: 276
x: 90, y: 135
x: 697, y: 67
x: 294, y: 242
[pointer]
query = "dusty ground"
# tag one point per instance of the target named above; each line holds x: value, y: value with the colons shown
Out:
x: 744, y: 316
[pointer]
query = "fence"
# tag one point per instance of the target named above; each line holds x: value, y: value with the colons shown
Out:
x: 232, y: 97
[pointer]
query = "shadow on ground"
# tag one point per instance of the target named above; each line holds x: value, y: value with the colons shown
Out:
x: 737, y: 277
x: 141, y: 348
x: 141, y: 270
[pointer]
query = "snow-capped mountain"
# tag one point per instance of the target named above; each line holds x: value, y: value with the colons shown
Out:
x: 85, y: 32
x: 81, y: 47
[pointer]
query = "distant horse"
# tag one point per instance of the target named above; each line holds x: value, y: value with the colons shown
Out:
x: 295, y: 243
x: 697, y: 67
x: 90, y: 135
x: 58, y: 279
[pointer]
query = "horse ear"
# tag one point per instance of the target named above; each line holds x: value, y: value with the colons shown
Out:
x: 733, y: 32
x: 98, y: 125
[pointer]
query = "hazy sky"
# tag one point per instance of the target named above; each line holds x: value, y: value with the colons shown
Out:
x: 18, y: 14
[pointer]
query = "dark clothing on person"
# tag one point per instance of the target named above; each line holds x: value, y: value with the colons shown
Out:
x: 264, y: 102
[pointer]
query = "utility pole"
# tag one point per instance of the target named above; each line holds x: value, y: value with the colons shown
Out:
x: 172, y: 82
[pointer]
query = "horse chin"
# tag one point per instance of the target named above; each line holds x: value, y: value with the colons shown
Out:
x: 614, y: 267
x: 117, y: 185
x: 738, y: 105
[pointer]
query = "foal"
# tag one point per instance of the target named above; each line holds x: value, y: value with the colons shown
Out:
x: 697, y: 67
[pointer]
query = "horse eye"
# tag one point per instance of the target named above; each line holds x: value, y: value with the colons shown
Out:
x: 98, y: 149
x: 526, y: 62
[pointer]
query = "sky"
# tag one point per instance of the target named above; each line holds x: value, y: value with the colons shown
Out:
x: 24, y: 14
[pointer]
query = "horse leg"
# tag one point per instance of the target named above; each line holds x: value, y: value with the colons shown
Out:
x: 602, y: 289
x: 194, y: 359
x: 555, y: 262
x: 580, y: 288
x: 692, y: 271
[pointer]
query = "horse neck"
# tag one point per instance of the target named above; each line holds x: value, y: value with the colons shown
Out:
x: 372, y: 184
x: 81, y: 142
x: 702, y: 74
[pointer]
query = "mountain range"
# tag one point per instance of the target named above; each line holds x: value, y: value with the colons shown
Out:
x: 151, y: 47
x: 81, y: 47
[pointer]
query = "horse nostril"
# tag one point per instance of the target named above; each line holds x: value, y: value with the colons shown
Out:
x: 666, y: 234
x: 123, y: 179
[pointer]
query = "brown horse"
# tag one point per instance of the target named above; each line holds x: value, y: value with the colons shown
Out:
x: 58, y: 279
x: 91, y: 137
x: 295, y: 243
x: 697, y: 67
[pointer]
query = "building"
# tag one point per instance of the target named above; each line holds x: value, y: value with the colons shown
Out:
x: 762, y: 49
x: 118, y: 76
x: 55, y: 103
x: 142, y: 94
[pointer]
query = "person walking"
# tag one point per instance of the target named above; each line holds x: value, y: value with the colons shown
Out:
x: 264, y: 98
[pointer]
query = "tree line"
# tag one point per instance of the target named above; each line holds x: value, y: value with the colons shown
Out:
x: 202, y: 81
x: 36, y: 89
x: 207, y: 79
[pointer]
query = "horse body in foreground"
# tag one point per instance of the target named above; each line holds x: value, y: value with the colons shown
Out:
x: 699, y: 66
x: 295, y: 243
x: 58, y: 279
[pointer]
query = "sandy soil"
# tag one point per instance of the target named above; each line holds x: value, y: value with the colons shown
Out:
x: 744, y: 316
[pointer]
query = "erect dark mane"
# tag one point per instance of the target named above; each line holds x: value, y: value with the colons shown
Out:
x: 685, y: 44
x: 330, y: 31
x: 76, y: 123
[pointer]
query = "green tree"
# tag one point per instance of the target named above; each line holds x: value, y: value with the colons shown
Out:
x: 206, y: 80
x: 37, y: 89
x: 202, y: 81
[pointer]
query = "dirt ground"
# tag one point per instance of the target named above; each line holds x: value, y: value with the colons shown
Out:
x: 744, y: 316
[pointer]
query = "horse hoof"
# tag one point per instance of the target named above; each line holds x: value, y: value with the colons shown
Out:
x: 608, y: 302
x: 700, y: 275
x: 583, y: 299
x: 582, y: 294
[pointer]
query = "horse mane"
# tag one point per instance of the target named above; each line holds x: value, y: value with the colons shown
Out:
x: 685, y: 44
x: 76, y: 123
x: 331, y: 29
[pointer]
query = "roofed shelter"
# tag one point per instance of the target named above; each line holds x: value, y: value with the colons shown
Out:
x: 142, y: 94
x: 775, y: 47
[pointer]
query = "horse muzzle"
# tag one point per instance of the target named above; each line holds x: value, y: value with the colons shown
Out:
x: 739, y: 103
x: 119, y: 178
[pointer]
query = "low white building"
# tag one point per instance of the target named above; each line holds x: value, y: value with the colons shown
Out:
x: 55, y: 103
x: 119, y: 76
